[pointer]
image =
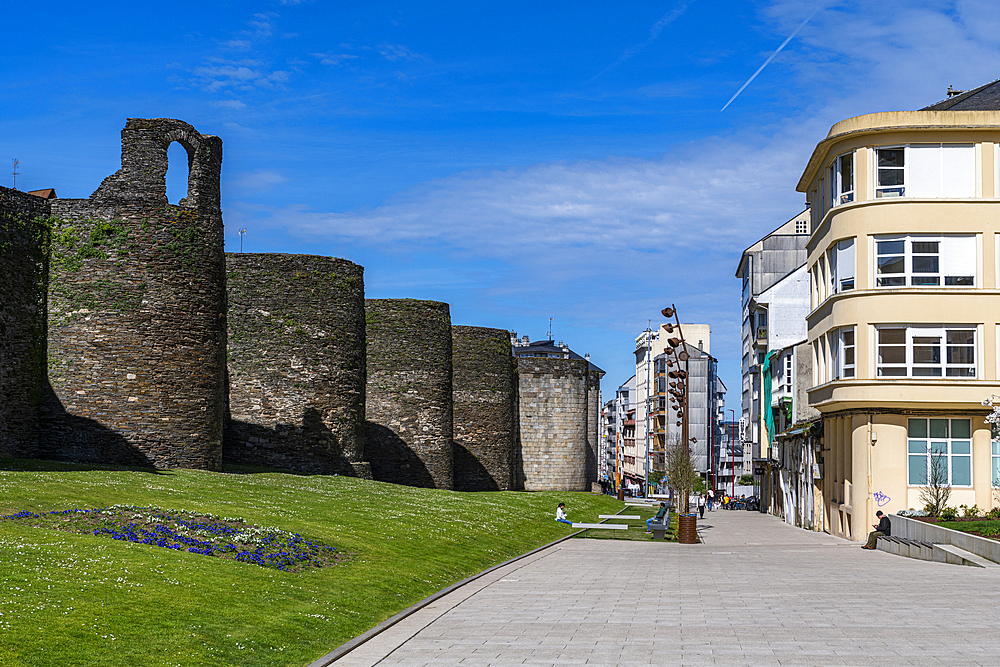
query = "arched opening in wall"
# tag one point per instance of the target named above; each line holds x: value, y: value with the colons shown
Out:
x: 177, y: 172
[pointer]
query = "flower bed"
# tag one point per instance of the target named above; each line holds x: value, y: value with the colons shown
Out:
x: 227, y: 538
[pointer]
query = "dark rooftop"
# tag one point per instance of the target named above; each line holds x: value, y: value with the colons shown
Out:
x: 983, y: 98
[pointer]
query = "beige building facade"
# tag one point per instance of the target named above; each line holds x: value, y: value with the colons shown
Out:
x: 904, y: 321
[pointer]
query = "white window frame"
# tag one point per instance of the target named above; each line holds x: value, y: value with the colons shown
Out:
x: 995, y: 444
x: 910, y: 180
x: 838, y: 193
x: 947, y: 252
x: 916, y: 346
x: 847, y: 341
x: 925, y: 447
x: 841, y: 259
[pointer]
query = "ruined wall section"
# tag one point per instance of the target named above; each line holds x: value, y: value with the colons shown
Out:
x: 136, y: 311
x: 296, y: 363
x: 23, y: 244
x: 485, y: 395
x: 553, y: 423
x: 408, y: 432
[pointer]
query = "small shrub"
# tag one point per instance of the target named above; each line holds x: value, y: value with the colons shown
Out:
x: 994, y: 513
x: 971, y: 512
x: 992, y: 531
x: 949, y: 513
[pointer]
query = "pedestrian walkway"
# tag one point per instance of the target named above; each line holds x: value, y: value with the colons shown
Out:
x: 756, y: 592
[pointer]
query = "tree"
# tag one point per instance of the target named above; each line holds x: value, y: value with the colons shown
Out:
x: 938, y: 490
x: 681, y: 473
x: 746, y: 479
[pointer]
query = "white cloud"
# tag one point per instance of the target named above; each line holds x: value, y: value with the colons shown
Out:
x: 257, y: 180
x: 394, y: 52
x: 218, y: 74
x: 228, y: 104
x: 333, y: 58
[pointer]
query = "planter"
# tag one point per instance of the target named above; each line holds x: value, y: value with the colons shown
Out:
x: 687, y: 528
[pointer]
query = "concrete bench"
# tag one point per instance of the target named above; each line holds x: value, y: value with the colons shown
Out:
x: 618, y: 516
x: 659, y: 530
x: 602, y: 526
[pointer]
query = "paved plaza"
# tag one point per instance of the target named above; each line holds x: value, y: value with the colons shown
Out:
x: 757, y: 592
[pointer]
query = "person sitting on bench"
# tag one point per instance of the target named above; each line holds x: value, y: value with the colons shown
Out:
x: 884, y: 527
x: 660, y: 514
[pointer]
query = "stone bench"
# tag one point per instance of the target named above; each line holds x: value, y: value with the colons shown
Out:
x: 602, y: 526
x: 659, y: 530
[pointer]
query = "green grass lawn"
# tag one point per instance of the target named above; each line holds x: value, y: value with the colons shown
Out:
x: 72, y: 599
x: 636, y: 527
x: 983, y: 527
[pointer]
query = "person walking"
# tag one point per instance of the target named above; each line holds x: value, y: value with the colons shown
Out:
x: 701, y: 505
x: 711, y: 499
x: 561, y: 514
x: 884, y: 527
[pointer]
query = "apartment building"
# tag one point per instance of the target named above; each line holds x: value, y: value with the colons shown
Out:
x: 775, y: 302
x: 904, y: 321
x: 619, y: 431
x: 656, y: 422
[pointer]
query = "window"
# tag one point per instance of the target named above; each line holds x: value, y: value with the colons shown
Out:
x: 925, y: 261
x: 801, y: 226
x: 788, y: 373
x: 943, y: 442
x: 926, y: 171
x: 996, y: 463
x: 842, y: 266
x: 842, y: 180
x: 920, y: 351
x: 846, y: 369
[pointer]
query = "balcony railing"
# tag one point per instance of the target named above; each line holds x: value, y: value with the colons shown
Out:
x: 762, y: 334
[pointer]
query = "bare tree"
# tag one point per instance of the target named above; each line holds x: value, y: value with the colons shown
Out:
x: 938, y: 490
x: 681, y: 472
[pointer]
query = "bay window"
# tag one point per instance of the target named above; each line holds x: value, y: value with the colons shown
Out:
x: 842, y: 266
x: 926, y: 351
x: 942, y: 443
x: 925, y: 260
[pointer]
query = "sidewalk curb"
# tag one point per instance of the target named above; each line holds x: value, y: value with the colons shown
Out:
x: 344, y: 649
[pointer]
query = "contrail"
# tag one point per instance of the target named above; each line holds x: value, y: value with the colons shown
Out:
x: 803, y: 25
x: 654, y: 33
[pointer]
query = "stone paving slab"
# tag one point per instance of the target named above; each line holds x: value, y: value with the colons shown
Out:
x: 756, y: 592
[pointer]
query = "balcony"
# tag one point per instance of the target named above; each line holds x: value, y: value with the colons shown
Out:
x: 761, y: 336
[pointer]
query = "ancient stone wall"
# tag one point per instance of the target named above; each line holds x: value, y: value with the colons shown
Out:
x: 553, y: 423
x: 296, y: 363
x: 136, y: 311
x: 23, y: 243
x: 485, y: 393
x: 593, y: 423
x: 408, y: 428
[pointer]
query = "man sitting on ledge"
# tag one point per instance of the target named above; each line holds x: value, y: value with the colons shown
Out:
x: 884, y: 527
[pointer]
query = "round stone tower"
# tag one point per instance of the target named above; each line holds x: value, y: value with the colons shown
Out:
x: 553, y: 415
x: 408, y: 428
x: 485, y: 392
x: 137, y: 311
x: 296, y: 363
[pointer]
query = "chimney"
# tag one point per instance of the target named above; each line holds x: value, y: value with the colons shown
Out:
x: 587, y: 356
x: 561, y: 344
x: 524, y: 340
x: 513, y: 338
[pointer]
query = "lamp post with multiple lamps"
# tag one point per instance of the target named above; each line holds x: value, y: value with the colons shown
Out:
x: 677, y: 362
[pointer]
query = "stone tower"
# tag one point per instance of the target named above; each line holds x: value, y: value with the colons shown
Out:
x: 296, y: 363
x: 137, y: 311
x: 485, y: 395
x: 408, y: 428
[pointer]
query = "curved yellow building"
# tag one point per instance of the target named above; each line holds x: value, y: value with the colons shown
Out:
x: 904, y: 320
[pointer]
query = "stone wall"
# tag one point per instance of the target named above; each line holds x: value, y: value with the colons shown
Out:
x: 553, y: 421
x: 136, y: 311
x: 485, y: 393
x: 296, y: 363
x: 23, y: 241
x: 408, y: 428
x: 593, y: 423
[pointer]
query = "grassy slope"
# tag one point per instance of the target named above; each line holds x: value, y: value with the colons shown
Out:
x: 78, y: 599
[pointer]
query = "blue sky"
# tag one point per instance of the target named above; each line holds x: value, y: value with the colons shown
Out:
x: 519, y: 160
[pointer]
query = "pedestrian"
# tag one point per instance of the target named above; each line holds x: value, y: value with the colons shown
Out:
x: 659, y: 518
x: 884, y: 527
x: 711, y: 499
x: 701, y: 505
x: 561, y: 514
